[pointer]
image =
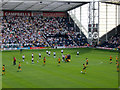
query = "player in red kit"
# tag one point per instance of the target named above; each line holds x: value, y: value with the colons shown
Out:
x: 14, y: 62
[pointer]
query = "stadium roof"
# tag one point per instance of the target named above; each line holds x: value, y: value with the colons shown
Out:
x: 116, y: 2
x: 41, y: 5
x: 46, y: 5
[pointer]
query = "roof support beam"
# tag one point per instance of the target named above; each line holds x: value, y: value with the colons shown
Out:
x: 57, y: 7
x: 4, y: 3
x: 17, y: 6
x: 112, y: 3
x: 46, y: 5
x: 31, y: 6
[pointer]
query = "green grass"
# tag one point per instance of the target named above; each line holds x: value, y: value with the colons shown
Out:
x: 100, y: 74
x: 0, y: 70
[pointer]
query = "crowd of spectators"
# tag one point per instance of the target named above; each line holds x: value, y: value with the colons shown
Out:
x: 112, y: 42
x: 39, y: 32
x: 79, y: 40
x: 60, y: 41
x: 21, y: 30
x: 43, y: 32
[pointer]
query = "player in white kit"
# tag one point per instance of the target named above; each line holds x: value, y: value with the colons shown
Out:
x: 32, y: 60
x: 47, y: 52
x: 77, y: 53
x: 62, y: 51
x: 39, y: 56
x: 23, y: 57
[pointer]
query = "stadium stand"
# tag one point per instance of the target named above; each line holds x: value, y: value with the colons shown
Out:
x: 113, y: 42
x: 39, y: 32
x: 113, y: 38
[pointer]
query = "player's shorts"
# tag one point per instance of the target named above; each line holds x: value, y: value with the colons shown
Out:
x: 86, y: 63
x: 3, y: 70
x: 39, y: 56
x: 32, y: 56
x: 61, y: 52
x: 44, y: 61
x: 117, y: 66
x: 32, y: 60
x: 110, y: 59
x: 23, y: 58
x: 84, y: 68
x: 77, y: 54
x: 59, y: 62
x: 47, y: 52
x: 19, y: 67
x: 54, y: 55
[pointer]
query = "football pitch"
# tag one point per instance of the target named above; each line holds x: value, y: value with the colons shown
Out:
x: 99, y: 74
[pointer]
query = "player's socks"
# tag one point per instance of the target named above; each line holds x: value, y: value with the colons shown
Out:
x: 117, y: 69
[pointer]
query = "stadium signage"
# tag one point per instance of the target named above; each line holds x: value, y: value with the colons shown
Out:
x: 90, y: 35
x: 24, y: 48
x: 10, y: 48
x: 54, y: 14
x: 95, y: 35
x: 60, y: 47
x: 93, y: 31
x: 37, y: 47
x: 17, y: 13
x: 37, y: 13
x: 76, y: 46
x: 28, y: 13
x: 105, y: 48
